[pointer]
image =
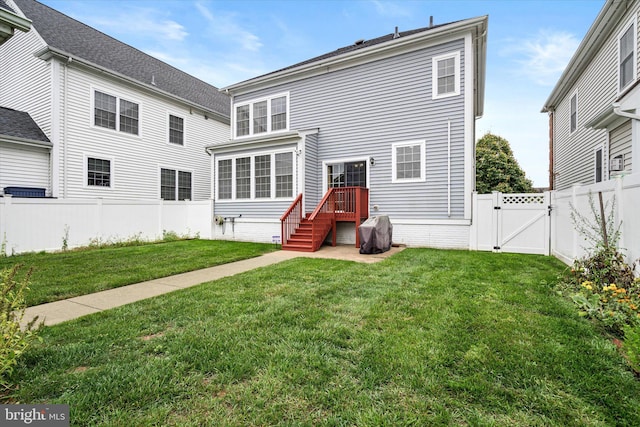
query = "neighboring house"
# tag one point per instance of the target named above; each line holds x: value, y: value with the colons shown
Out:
x: 24, y: 151
x: 595, y: 106
x: 121, y: 124
x: 394, y: 116
x: 9, y: 22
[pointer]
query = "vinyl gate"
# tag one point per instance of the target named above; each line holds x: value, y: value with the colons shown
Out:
x: 511, y: 223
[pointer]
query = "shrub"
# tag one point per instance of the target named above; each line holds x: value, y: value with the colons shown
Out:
x: 12, y: 306
x: 602, y: 284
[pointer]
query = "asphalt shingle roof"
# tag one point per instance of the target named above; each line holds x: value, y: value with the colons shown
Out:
x: 73, y: 37
x: 361, y: 44
x: 20, y: 124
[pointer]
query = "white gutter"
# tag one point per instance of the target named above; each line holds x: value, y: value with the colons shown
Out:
x: 618, y: 111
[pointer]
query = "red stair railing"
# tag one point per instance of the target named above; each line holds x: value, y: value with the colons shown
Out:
x: 291, y: 219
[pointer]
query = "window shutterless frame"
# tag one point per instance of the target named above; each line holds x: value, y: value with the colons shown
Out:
x: 445, y: 75
x: 261, y: 116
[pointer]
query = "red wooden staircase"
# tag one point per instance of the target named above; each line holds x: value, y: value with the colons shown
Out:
x: 307, y: 233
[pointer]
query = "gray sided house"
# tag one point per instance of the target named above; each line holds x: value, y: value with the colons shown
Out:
x: 381, y: 127
x: 594, y: 108
x: 118, y: 123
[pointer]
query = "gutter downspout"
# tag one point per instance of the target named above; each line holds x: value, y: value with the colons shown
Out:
x: 551, y: 155
x: 449, y: 168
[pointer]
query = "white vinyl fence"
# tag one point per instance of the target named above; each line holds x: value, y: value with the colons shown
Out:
x: 568, y: 244
x: 49, y: 224
x: 511, y: 223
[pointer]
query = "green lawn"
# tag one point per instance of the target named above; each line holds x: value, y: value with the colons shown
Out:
x: 426, y: 337
x: 63, y: 275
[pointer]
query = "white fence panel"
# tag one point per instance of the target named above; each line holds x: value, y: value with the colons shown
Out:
x: 568, y: 244
x: 28, y: 225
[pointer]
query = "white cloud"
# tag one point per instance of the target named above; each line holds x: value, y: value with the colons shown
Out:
x: 543, y: 57
x: 139, y: 21
x: 224, y: 25
x: 390, y: 9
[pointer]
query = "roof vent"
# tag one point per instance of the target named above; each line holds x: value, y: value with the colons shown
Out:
x: 359, y: 42
x: 153, y: 79
x: 396, y: 34
x: 431, y: 21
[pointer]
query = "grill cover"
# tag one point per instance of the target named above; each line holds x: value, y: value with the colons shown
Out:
x: 375, y: 235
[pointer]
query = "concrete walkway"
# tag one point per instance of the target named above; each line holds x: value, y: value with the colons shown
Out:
x: 61, y: 311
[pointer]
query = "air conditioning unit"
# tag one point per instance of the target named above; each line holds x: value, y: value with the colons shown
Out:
x: 617, y: 164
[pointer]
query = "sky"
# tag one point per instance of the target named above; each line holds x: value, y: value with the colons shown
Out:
x: 225, y: 42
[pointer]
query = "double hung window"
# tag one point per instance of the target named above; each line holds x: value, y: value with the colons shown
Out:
x: 114, y: 113
x: 261, y: 116
x: 175, y: 184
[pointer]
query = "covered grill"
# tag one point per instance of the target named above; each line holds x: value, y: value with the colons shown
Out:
x: 375, y: 235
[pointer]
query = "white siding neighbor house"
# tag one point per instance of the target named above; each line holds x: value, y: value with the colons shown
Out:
x: 117, y: 123
x: 381, y: 127
x: 595, y: 106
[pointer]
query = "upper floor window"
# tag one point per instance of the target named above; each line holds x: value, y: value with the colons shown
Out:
x: 262, y: 116
x: 98, y: 172
x: 446, y: 75
x: 574, y: 112
x: 408, y: 161
x: 176, y: 130
x: 114, y: 113
x: 627, y: 56
x: 175, y: 184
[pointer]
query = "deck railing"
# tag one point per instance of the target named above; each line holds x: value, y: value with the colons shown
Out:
x: 291, y: 219
x: 338, y: 204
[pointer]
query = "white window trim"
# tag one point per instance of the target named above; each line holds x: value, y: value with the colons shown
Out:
x: 325, y: 163
x: 173, y: 168
x: 434, y: 77
x: 633, y: 22
x: 575, y: 94
x: 85, y: 172
x: 253, y: 156
x: 423, y: 161
x: 250, y: 103
x: 184, y: 130
x: 92, y: 120
x: 605, y: 158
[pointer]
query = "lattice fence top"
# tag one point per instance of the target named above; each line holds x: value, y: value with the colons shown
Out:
x: 523, y: 199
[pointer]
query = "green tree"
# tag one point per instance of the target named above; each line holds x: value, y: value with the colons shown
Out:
x: 497, y: 169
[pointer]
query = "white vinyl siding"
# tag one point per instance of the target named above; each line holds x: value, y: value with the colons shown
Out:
x: 446, y: 75
x: 259, y: 176
x: 620, y: 145
x: 408, y: 162
x: 598, y: 87
x: 24, y: 166
x: 261, y: 116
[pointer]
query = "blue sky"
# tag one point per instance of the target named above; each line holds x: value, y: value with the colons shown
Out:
x: 224, y: 42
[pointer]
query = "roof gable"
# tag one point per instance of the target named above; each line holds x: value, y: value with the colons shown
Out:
x: 79, y: 40
x: 19, y: 124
